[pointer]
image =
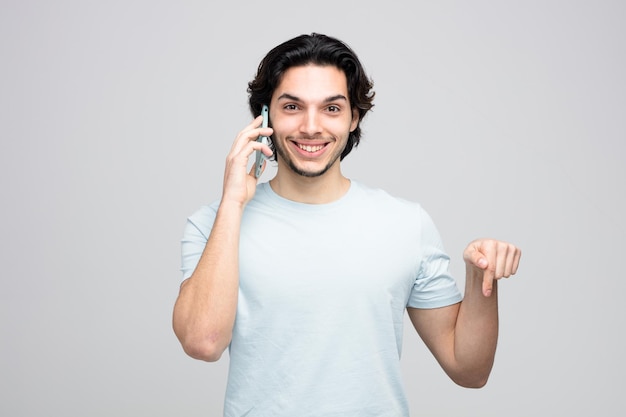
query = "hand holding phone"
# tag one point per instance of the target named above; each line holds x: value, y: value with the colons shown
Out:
x: 258, y: 165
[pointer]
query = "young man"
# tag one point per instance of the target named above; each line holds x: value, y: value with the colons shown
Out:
x: 306, y: 278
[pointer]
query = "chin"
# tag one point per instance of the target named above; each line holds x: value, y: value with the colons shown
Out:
x: 307, y: 172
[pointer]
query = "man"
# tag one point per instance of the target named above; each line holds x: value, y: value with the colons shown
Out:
x: 306, y: 278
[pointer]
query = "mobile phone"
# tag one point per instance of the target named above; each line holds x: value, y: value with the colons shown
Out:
x: 258, y: 165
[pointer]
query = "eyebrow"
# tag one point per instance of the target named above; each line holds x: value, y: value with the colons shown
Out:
x: 327, y: 100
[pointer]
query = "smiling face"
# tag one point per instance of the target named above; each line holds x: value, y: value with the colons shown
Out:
x: 311, y: 116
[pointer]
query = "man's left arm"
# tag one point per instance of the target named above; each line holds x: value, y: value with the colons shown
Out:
x: 463, y: 336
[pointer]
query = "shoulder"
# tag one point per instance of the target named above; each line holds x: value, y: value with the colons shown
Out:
x: 380, y: 199
x: 201, y: 220
x: 403, y: 214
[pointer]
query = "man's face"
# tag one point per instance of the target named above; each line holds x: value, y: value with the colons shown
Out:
x: 312, y: 119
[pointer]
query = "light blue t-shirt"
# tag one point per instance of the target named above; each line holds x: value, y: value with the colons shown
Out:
x: 322, y: 295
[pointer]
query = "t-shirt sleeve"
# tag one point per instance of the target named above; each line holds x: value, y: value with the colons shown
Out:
x: 195, y: 235
x: 434, y: 286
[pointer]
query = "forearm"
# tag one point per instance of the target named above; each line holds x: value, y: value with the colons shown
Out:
x: 476, y: 332
x: 204, y: 313
x: 463, y: 336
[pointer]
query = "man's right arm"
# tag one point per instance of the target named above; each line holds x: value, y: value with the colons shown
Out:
x: 204, y: 312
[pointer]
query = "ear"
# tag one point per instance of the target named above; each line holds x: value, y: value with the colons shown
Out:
x: 355, y: 119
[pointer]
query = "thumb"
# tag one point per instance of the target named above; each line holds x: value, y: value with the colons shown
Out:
x: 476, y: 258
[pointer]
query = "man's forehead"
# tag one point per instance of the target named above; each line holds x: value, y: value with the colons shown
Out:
x: 312, y: 82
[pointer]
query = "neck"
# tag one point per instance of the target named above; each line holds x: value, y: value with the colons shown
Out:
x: 326, y: 188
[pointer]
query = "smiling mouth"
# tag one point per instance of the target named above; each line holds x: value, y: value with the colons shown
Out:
x: 310, y: 148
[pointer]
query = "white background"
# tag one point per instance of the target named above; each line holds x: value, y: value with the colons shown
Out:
x: 504, y: 119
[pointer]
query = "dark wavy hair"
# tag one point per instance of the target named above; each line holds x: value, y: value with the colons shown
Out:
x: 314, y: 49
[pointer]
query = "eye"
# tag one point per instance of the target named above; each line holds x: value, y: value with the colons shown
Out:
x: 333, y: 108
x: 290, y: 107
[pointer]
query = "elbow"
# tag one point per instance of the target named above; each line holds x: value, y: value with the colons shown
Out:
x: 472, y: 373
x: 208, y: 348
x: 201, y: 343
x: 203, y: 352
x: 474, y: 381
x: 474, y: 384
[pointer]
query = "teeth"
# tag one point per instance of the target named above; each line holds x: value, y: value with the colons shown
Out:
x: 309, y: 148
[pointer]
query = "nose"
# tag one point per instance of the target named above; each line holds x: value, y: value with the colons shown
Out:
x: 311, y: 123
